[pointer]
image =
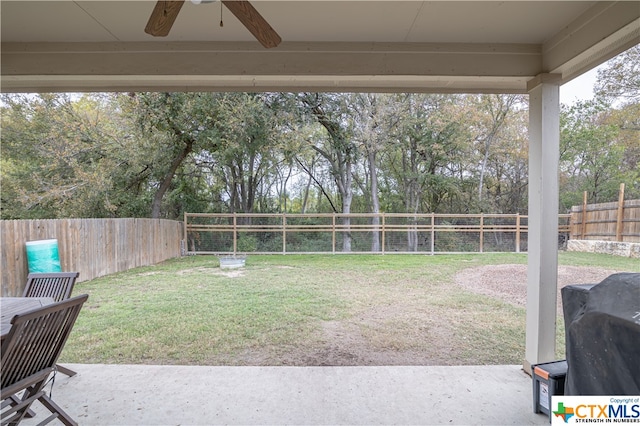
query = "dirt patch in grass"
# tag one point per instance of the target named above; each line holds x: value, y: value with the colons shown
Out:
x: 407, y: 329
x: 229, y: 273
x: 390, y: 336
x: 348, y: 343
x: 509, y: 282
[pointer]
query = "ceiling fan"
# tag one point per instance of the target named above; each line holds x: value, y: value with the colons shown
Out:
x: 165, y: 13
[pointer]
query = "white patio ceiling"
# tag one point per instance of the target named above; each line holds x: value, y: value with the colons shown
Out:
x: 440, y: 46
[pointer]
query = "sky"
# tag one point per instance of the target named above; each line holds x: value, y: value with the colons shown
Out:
x: 578, y: 89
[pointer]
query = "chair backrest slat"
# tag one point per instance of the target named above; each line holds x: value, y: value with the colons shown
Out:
x: 36, y: 339
x: 57, y: 285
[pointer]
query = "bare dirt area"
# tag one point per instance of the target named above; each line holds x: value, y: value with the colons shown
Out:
x: 509, y: 282
x: 394, y: 335
x: 409, y: 328
x: 229, y: 273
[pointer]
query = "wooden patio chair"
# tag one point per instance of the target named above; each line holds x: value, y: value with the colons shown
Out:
x: 57, y: 285
x: 29, y: 355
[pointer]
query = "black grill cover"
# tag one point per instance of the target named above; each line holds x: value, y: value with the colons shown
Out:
x: 602, y: 324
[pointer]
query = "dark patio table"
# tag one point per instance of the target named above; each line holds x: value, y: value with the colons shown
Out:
x: 11, y: 306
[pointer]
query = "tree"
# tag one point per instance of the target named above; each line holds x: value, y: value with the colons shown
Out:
x: 626, y: 119
x: 247, y: 154
x: 589, y: 154
x: 620, y: 78
x: 506, y: 177
x: 177, y: 123
x: 493, y: 112
x: 338, y: 149
x: 374, y: 119
x: 161, y: 154
x: 618, y: 85
x: 58, y: 156
x: 426, y: 142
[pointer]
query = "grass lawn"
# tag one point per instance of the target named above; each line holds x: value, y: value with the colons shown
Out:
x: 305, y: 310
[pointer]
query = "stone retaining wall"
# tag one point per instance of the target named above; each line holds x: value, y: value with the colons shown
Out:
x: 606, y: 247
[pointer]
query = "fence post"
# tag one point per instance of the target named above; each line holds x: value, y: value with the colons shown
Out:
x: 583, y: 229
x: 284, y: 233
x: 481, y: 232
x: 517, y: 232
x: 184, y: 236
x: 433, y: 234
x: 619, y: 222
x: 333, y: 234
x: 383, y: 231
x: 235, y: 234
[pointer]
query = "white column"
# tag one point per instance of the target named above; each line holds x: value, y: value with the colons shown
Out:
x: 542, y: 275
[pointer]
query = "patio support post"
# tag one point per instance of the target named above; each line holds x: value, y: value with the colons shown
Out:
x: 542, y: 271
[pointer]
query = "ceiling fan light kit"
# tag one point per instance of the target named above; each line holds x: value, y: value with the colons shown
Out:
x: 165, y: 13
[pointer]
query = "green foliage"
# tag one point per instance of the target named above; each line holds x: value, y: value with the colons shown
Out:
x: 163, y: 154
x: 248, y: 149
x: 174, y: 127
x: 59, y: 156
x: 590, y: 155
x: 247, y: 243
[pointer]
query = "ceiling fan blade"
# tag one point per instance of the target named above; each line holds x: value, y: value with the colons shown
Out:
x: 255, y: 23
x: 162, y: 18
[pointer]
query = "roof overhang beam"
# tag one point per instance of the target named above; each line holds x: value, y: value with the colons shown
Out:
x: 195, y: 66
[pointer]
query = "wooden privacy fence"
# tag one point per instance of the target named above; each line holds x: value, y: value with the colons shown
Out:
x: 92, y: 247
x: 617, y: 221
x: 325, y: 233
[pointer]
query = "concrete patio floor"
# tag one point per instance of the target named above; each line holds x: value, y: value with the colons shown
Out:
x: 200, y: 395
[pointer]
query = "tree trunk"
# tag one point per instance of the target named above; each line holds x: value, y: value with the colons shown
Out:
x: 306, y: 195
x: 341, y: 164
x: 347, y: 197
x: 375, y: 202
x: 498, y: 114
x: 487, y: 146
x: 156, y: 206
